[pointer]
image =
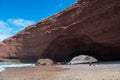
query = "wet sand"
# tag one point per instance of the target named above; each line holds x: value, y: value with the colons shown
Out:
x: 104, y: 71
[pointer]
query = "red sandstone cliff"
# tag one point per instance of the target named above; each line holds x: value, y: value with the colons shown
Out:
x: 88, y: 25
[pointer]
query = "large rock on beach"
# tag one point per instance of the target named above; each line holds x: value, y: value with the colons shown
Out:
x: 82, y: 59
x: 44, y: 62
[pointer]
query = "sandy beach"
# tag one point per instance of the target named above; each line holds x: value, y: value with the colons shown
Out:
x: 104, y: 71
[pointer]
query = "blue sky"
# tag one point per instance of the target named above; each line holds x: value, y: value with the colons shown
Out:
x: 15, y: 15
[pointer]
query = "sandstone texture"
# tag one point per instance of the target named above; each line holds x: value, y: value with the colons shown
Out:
x: 86, y: 27
x: 44, y: 62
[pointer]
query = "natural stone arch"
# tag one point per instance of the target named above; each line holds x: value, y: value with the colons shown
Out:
x: 63, y: 47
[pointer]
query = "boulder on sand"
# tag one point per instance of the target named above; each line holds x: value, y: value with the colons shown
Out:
x: 44, y: 62
x: 82, y: 59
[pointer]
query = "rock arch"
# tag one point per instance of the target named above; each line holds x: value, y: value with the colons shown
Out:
x: 65, y: 47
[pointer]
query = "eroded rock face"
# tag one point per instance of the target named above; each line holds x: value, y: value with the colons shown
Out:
x: 88, y: 25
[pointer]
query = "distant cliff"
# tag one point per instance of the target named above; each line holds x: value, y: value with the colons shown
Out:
x: 87, y: 27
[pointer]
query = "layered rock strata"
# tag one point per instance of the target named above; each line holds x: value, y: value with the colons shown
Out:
x: 87, y: 27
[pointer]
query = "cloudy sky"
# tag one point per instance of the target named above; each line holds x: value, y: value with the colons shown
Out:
x: 15, y: 15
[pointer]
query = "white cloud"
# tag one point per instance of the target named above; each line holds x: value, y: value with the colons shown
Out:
x: 11, y: 26
x: 20, y: 22
x: 5, y: 30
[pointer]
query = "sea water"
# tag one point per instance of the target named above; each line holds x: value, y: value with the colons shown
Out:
x: 4, y: 65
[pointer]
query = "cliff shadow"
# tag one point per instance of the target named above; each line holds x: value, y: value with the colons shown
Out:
x: 65, y: 47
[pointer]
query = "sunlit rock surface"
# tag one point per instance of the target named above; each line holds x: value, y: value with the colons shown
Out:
x: 82, y: 59
x: 87, y: 27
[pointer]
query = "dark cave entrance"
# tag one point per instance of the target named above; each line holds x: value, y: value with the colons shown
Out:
x: 65, y: 47
x: 77, y: 53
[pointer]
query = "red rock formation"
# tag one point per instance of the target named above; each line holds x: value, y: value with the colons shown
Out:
x: 88, y: 25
